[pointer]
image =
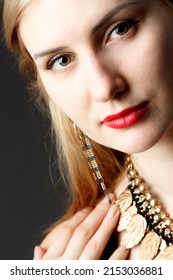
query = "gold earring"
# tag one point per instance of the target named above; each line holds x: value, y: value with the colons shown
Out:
x: 90, y: 157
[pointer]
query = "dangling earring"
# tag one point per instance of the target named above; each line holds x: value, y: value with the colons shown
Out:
x: 89, y: 155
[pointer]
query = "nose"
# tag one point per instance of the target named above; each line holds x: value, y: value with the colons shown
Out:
x: 104, y: 81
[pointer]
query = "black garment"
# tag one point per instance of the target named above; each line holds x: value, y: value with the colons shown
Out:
x: 111, y: 246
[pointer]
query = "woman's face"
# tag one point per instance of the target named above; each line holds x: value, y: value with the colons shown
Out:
x: 108, y: 64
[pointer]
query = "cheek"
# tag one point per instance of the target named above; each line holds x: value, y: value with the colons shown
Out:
x: 151, y: 60
x: 66, y: 94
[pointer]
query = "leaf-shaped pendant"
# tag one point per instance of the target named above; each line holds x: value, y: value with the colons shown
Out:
x: 135, y: 231
x: 124, y: 201
x: 149, y: 246
x: 167, y: 254
x: 126, y: 217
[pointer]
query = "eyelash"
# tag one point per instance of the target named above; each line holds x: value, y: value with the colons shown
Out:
x: 130, y: 23
x: 51, y: 62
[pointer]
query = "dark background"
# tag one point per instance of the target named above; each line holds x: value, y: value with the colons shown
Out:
x: 29, y: 200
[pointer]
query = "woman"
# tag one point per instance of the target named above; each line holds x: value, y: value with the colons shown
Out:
x: 104, y: 69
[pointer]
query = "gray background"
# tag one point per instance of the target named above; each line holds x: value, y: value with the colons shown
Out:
x: 29, y: 200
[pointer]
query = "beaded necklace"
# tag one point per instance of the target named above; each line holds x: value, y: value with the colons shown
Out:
x: 143, y: 220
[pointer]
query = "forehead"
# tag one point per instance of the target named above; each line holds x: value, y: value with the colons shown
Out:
x: 47, y: 22
x: 66, y: 9
x: 40, y: 12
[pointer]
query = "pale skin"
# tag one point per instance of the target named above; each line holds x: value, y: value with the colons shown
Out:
x: 118, y: 55
x: 84, y: 236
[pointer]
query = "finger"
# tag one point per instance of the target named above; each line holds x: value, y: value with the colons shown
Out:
x: 57, y: 240
x: 121, y: 253
x: 38, y: 253
x: 86, y: 230
x: 96, y: 245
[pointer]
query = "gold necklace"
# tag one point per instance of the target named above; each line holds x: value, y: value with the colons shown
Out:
x: 143, y: 220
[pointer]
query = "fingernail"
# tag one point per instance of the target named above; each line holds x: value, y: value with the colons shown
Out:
x: 112, y: 211
x: 122, y: 248
x: 87, y: 209
x: 35, y: 251
x: 107, y: 199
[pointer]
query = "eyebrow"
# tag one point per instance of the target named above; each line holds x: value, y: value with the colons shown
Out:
x: 106, y: 18
x: 49, y: 51
x: 112, y: 13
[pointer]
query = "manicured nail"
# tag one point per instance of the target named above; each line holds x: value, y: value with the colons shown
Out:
x: 38, y: 252
x: 35, y: 251
x: 112, y: 211
x: 108, y: 198
x: 122, y: 248
x: 87, y: 209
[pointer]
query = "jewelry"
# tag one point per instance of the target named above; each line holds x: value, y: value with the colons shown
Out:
x: 90, y: 156
x: 143, y: 220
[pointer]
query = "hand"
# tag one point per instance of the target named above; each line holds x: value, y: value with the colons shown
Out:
x: 84, y: 236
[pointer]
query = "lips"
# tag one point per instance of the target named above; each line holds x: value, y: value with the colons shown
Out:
x: 127, y: 117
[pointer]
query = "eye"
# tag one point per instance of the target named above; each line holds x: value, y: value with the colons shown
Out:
x: 59, y: 62
x: 122, y: 29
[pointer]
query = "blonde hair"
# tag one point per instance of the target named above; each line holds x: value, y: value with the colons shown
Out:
x: 74, y: 168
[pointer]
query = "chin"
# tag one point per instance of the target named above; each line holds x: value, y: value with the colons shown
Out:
x: 135, y: 140
x: 141, y: 145
x: 138, y: 141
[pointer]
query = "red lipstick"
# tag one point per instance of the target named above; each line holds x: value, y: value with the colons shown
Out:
x: 127, y: 117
